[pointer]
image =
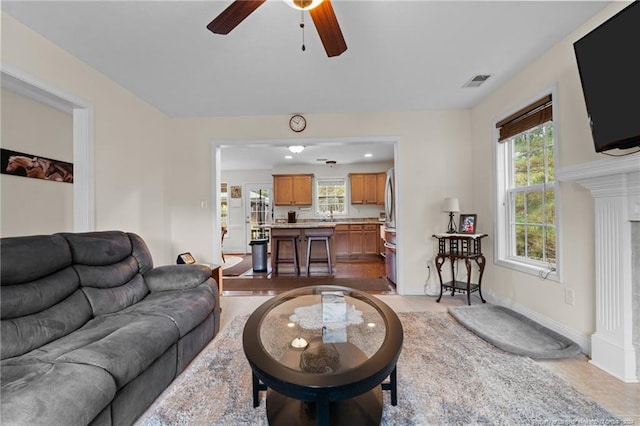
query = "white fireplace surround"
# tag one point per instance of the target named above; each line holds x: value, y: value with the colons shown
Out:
x: 615, y: 186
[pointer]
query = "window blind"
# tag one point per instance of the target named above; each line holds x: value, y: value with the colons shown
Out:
x: 533, y: 115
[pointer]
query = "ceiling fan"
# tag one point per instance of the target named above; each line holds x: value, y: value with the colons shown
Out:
x: 321, y: 12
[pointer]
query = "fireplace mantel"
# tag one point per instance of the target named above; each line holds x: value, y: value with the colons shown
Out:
x: 615, y: 186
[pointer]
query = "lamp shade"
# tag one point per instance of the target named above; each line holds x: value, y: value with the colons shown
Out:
x: 296, y: 149
x: 451, y: 205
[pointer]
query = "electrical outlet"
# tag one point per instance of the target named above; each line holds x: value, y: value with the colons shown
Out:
x: 569, y: 296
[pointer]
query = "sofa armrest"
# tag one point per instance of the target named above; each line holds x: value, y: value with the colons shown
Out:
x: 176, y: 277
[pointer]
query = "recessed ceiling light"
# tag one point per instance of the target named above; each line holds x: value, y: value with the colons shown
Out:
x: 368, y: 155
x: 288, y: 157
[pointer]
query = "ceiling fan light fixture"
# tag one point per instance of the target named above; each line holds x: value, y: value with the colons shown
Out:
x: 296, y: 149
x: 303, y: 4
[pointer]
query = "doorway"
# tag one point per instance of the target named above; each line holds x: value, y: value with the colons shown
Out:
x: 248, y: 161
x: 258, y: 212
x: 82, y: 113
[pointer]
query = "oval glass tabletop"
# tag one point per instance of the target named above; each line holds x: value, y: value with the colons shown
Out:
x: 322, y: 332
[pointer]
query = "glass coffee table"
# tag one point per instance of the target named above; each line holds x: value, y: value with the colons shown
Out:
x: 322, y: 354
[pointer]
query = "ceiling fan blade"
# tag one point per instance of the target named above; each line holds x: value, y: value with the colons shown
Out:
x: 235, y: 13
x: 328, y: 28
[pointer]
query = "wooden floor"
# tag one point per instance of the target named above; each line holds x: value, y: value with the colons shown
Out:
x: 356, y: 269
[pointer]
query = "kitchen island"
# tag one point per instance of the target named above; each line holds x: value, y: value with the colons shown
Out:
x: 301, y: 231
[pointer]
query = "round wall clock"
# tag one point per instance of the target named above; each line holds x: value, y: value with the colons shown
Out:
x: 297, y: 123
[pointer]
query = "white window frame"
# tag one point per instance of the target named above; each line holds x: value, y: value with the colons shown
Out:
x: 505, y: 237
x: 319, y: 181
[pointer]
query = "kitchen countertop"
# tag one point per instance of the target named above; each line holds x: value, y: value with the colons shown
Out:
x: 326, y: 224
x: 302, y: 225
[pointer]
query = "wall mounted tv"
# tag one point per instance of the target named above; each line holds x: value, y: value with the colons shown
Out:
x: 609, y: 66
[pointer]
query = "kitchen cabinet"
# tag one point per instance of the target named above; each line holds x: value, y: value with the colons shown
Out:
x: 370, y: 240
x: 293, y: 190
x: 357, y: 240
x: 381, y: 182
x: 341, y: 238
x: 364, y: 188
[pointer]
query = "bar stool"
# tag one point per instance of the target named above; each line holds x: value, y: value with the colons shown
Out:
x: 294, y: 247
x: 326, y: 260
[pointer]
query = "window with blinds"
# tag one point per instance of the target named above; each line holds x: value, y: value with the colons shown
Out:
x: 526, y: 202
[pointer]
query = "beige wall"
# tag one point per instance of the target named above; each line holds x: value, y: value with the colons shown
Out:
x: 432, y: 162
x: 556, y: 68
x: 35, y: 206
x: 130, y: 137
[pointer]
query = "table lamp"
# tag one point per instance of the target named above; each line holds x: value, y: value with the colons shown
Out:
x: 451, y: 206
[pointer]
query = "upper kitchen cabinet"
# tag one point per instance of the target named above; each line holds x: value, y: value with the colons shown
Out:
x: 293, y: 190
x: 381, y: 181
x: 367, y: 188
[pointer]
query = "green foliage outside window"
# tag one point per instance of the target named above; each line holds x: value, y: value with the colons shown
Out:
x: 330, y: 197
x: 533, y: 194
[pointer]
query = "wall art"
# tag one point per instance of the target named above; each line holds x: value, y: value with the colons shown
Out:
x: 33, y: 166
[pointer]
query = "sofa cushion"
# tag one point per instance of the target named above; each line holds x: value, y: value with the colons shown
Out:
x: 186, y: 308
x: 21, y: 335
x: 123, y: 345
x: 98, y: 248
x: 109, y: 265
x: 176, y: 277
x: 128, y: 350
x: 108, y: 300
x: 35, y: 296
x: 35, y: 394
x: 141, y: 253
x: 108, y: 247
x: 26, y: 259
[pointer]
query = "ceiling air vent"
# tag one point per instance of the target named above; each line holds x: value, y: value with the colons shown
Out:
x: 477, y: 80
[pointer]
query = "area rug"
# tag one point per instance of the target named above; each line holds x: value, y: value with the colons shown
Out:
x: 446, y: 375
x: 513, y: 332
x: 281, y: 284
x: 239, y: 268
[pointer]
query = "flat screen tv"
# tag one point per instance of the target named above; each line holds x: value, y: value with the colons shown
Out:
x: 609, y: 66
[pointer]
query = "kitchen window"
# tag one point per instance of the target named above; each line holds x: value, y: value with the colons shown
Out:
x: 526, y: 231
x: 331, y: 197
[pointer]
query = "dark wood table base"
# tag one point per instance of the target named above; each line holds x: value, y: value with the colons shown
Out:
x: 364, y: 410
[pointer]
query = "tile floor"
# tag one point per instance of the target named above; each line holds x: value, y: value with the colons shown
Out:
x: 622, y: 399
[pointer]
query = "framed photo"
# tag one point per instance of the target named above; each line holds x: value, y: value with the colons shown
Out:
x: 236, y: 192
x: 185, y: 258
x: 468, y: 223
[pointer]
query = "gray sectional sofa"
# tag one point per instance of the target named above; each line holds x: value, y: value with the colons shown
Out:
x: 91, y: 332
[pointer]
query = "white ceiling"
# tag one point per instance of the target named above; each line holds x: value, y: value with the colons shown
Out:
x: 402, y: 55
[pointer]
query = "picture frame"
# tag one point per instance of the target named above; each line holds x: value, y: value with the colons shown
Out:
x: 236, y: 192
x: 185, y: 258
x: 468, y: 224
x: 34, y: 166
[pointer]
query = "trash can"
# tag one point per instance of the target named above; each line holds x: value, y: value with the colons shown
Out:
x: 259, y: 254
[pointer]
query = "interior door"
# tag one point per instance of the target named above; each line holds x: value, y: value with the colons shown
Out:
x: 259, y: 211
